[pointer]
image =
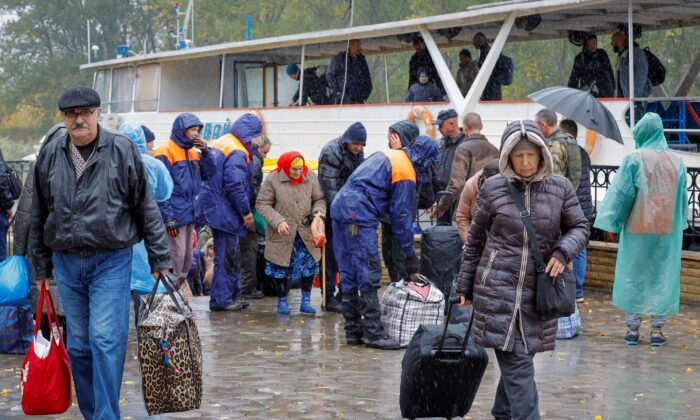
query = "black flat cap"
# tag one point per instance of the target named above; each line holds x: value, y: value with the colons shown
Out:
x: 445, y: 114
x: 79, y: 97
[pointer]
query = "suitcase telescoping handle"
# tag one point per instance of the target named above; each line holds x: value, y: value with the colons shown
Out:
x: 452, y: 302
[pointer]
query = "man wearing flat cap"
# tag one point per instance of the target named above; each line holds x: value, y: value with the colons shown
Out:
x: 452, y: 137
x: 92, y: 202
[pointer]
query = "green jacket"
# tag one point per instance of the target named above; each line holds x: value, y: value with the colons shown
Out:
x: 566, y: 157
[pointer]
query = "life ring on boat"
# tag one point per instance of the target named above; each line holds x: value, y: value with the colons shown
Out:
x: 258, y: 114
x: 591, y: 138
x: 419, y: 111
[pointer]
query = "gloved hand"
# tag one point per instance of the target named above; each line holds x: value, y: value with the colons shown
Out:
x: 412, y: 264
x: 171, y: 227
x: 201, y: 145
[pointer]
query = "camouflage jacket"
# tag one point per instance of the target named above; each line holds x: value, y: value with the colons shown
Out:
x: 566, y: 156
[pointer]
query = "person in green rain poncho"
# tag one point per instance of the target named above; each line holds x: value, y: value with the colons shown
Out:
x: 647, y: 203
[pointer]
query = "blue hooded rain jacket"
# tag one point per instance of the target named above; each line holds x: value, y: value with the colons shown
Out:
x: 225, y: 196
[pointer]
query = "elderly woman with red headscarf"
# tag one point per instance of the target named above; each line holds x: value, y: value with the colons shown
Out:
x: 289, y: 200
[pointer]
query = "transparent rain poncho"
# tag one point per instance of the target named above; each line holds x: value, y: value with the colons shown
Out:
x: 647, y: 203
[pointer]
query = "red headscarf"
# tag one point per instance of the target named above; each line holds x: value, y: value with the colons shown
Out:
x: 284, y: 163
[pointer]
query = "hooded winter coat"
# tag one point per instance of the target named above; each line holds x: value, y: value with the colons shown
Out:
x: 498, y: 272
x: 406, y: 130
x: 335, y: 165
x: 182, y: 162
x: 647, y: 203
x: 428, y: 92
x: 359, y: 80
x: 385, y: 186
x: 593, y: 67
x: 225, y: 196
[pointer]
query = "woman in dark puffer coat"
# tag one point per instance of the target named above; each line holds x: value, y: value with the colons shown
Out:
x: 498, y: 270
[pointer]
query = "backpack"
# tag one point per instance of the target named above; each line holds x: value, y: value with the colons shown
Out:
x: 14, y: 184
x: 657, y: 71
x: 504, y: 70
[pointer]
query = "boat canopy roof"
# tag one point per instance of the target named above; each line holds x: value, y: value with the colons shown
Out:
x: 558, y: 18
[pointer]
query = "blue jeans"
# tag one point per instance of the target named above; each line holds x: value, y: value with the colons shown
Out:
x: 95, y: 294
x: 580, y: 271
x: 4, y: 226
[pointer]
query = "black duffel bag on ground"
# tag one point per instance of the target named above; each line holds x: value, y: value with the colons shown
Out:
x: 555, y: 298
x: 441, y: 370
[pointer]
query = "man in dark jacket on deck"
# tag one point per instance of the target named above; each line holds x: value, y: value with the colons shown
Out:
x: 492, y: 91
x: 92, y: 203
x: 592, y: 65
x: 315, y: 85
x: 356, y: 88
x: 338, y: 160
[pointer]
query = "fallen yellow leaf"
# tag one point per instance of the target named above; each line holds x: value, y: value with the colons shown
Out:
x: 4, y: 391
x: 689, y: 370
x: 301, y: 321
x: 598, y: 418
x: 601, y: 334
x: 684, y: 346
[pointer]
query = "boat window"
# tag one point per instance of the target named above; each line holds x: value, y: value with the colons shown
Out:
x: 190, y: 84
x: 147, y: 87
x: 122, y: 90
x: 102, y: 87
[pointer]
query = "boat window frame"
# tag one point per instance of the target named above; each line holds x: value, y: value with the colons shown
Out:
x: 136, y: 101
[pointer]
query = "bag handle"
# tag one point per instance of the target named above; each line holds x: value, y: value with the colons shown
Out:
x: 51, y: 311
x: 451, y: 302
x: 527, y: 221
x: 170, y: 290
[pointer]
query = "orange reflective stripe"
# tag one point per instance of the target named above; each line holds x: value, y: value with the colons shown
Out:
x: 401, y: 167
x: 175, y: 153
x: 228, y: 144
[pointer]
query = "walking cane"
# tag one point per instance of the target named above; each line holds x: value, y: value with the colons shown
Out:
x: 323, y: 276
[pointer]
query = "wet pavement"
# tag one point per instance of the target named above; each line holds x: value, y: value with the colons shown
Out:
x: 261, y: 365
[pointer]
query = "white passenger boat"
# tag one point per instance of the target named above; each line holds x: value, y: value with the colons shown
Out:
x: 221, y: 82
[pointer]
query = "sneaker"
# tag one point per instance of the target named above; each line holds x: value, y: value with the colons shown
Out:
x: 579, y: 299
x: 657, y: 338
x: 255, y: 294
x: 632, y: 337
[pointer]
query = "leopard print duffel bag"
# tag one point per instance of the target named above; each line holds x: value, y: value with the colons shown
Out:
x: 170, y: 354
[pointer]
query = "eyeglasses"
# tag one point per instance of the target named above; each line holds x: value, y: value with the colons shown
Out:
x: 73, y: 114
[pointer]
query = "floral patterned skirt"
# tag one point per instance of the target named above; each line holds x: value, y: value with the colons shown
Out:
x: 301, y: 265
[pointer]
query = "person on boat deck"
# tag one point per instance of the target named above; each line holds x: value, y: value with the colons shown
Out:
x: 492, y: 91
x: 180, y: 212
x: 467, y: 71
x: 583, y: 192
x: 647, y: 203
x: 424, y: 90
x: 356, y: 88
x: 290, y: 199
x: 452, y: 138
x: 315, y: 85
x: 383, y: 186
x: 248, y: 244
x: 401, y: 134
x: 642, y: 84
x: 592, y: 65
x: 421, y: 59
x: 470, y: 157
x: 338, y: 160
x: 225, y: 203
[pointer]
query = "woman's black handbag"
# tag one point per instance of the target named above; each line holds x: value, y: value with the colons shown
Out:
x: 556, y: 297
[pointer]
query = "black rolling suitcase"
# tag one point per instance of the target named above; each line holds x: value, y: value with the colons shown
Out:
x: 440, y: 371
x: 441, y: 255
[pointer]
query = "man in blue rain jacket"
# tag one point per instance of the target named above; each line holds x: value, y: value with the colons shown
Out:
x: 225, y: 204
x: 383, y: 186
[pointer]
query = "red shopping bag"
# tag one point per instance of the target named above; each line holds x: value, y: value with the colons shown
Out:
x: 46, y: 379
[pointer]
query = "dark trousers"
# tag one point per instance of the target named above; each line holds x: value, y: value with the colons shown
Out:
x: 331, y: 267
x: 226, y: 284
x: 249, y: 261
x: 358, y: 258
x: 516, y: 395
x: 393, y: 255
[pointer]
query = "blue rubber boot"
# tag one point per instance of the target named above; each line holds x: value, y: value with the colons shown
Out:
x: 282, y: 305
x: 306, y: 307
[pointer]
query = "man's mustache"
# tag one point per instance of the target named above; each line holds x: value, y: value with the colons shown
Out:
x: 77, y: 126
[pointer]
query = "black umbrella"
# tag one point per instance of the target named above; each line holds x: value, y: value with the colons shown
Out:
x: 581, y: 107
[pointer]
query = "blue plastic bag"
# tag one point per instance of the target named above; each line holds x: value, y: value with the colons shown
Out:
x: 141, y: 278
x: 14, y: 281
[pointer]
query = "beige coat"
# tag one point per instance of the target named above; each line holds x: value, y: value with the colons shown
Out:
x: 467, y: 204
x: 280, y: 201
